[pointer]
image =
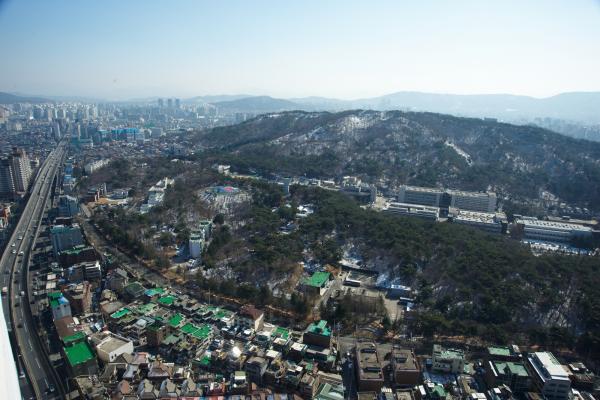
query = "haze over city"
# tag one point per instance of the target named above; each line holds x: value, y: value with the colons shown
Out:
x: 344, y: 49
x: 285, y: 200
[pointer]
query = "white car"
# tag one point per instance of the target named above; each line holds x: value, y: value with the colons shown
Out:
x: 14, y: 252
x: 13, y: 245
x: 20, y: 237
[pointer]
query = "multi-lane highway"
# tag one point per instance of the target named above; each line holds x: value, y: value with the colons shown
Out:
x: 38, y: 379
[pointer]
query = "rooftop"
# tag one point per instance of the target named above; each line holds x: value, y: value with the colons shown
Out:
x: 405, y: 360
x: 121, y: 313
x: 79, y: 353
x: 203, y: 332
x: 369, y: 364
x: 512, y: 368
x: 560, y: 226
x: 167, y: 300
x: 318, y: 279
x: 77, y: 336
x: 319, y: 328
x: 440, y: 352
x: 281, y: 332
x: 111, y: 342
x: 327, y: 391
x: 154, y: 291
x: 499, y: 351
x: 175, y: 320
x: 547, y: 366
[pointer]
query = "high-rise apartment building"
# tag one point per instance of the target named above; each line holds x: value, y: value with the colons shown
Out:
x: 21, y: 170
x: 15, y: 173
x: 7, y: 183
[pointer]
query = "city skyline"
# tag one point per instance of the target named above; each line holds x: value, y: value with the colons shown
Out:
x: 138, y: 50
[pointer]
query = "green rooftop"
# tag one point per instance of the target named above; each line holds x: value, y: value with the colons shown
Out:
x: 499, y: 351
x: 154, y: 291
x: 222, y: 313
x: 76, y: 337
x: 205, y: 361
x: 146, y: 309
x: 319, y: 328
x: 79, y: 353
x: 439, y: 391
x: 203, y: 332
x: 318, y: 279
x: 511, y: 368
x: 120, y: 313
x: 155, y: 326
x: 282, y: 333
x: 167, y: 300
x: 55, y: 299
x: 175, y: 320
x: 189, y: 328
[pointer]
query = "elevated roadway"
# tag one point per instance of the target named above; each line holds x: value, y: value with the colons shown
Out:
x: 37, y: 377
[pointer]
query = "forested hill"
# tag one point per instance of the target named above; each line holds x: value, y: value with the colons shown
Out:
x: 416, y: 148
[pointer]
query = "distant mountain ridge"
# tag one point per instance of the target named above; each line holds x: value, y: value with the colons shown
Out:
x: 8, y: 98
x: 577, y: 106
x: 580, y: 107
x: 257, y: 104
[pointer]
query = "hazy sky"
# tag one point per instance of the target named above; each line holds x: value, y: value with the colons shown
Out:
x: 339, y: 48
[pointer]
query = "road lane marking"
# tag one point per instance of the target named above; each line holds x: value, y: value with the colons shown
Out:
x: 38, y: 364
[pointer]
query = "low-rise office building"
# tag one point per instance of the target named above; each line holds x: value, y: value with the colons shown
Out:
x: 448, y: 360
x: 509, y: 373
x: 317, y: 334
x: 109, y: 346
x: 316, y: 284
x: 406, y: 368
x: 251, y: 318
x: 368, y: 367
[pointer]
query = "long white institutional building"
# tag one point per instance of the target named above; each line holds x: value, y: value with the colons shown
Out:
x: 470, y: 201
x: 552, y: 231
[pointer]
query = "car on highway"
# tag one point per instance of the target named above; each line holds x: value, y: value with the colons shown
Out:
x: 14, y: 252
x: 20, y: 238
x: 4, y: 291
x: 13, y: 245
x: 21, y: 253
x: 19, y: 325
x: 22, y: 293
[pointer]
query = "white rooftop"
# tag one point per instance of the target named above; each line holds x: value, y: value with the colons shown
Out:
x: 548, y: 367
